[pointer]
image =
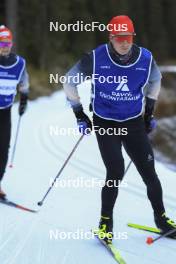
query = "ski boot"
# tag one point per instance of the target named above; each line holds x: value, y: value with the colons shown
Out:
x: 165, y: 224
x: 105, y: 229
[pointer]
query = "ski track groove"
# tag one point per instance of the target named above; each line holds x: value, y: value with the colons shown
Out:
x: 65, y: 257
x: 8, y: 238
x: 41, y: 251
x: 22, y: 244
x: 62, y: 158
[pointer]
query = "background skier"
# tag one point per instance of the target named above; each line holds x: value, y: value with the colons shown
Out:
x: 13, y: 75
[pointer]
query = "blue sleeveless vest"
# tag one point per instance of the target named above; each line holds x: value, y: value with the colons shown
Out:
x: 118, y: 90
x: 9, y: 79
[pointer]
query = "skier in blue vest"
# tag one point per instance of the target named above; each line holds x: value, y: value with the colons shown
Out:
x: 13, y: 75
x: 124, y: 102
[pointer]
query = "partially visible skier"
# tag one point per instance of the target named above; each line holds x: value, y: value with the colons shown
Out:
x: 129, y: 104
x: 13, y: 77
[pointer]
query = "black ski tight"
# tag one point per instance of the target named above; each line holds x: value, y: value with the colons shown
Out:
x: 5, y: 131
x: 138, y: 147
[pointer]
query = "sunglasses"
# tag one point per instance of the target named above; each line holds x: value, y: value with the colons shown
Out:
x: 120, y: 39
x: 5, y: 44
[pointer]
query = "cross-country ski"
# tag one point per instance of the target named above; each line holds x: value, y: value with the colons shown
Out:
x: 16, y: 205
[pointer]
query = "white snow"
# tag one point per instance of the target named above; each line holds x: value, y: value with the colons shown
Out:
x: 25, y: 237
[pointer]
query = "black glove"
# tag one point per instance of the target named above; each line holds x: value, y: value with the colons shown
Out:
x: 83, y: 121
x: 23, y: 103
x: 150, y: 123
x: 149, y: 120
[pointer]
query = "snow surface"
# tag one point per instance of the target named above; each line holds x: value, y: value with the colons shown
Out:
x: 25, y: 237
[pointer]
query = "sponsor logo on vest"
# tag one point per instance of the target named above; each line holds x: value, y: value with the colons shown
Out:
x: 7, y: 88
x: 141, y: 69
x: 121, y: 93
x: 7, y: 75
x: 123, y: 86
x: 7, y: 99
x: 105, y: 67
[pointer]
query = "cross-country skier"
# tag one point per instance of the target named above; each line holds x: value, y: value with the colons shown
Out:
x: 121, y: 105
x: 13, y: 75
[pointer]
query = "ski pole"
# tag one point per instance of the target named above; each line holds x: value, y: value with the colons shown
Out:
x: 127, y: 168
x: 150, y: 240
x: 15, y: 143
x: 60, y: 171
